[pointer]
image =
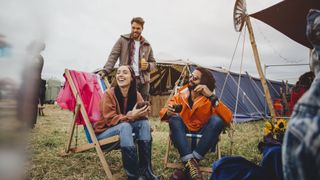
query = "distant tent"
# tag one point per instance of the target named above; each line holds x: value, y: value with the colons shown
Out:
x: 52, y: 90
x: 251, y: 103
x: 289, y: 17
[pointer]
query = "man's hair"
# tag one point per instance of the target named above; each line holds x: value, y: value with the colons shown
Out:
x: 207, y: 78
x: 138, y: 20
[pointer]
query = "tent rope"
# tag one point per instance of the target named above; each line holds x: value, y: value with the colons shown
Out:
x: 231, y: 62
x: 262, y: 93
x: 179, y: 80
x: 239, y: 78
x: 245, y: 95
x: 231, y: 129
x: 274, y: 89
x: 232, y: 125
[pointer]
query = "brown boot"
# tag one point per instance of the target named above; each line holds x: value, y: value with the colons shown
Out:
x: 178, y: 174
x: 192, y: 169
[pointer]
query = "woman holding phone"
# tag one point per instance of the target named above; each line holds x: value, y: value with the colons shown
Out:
x: 121, y: 116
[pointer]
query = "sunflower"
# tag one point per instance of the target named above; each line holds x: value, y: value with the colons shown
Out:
x: 268, y: 128
x: 280, y: 126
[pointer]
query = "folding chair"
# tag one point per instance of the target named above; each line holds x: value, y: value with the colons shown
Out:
x: 92, y: 139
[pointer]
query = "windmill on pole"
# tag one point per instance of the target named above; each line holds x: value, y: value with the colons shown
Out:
x: 241, y: 18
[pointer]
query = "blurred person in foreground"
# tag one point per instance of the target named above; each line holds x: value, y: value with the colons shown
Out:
x: 301, y: 146
x: 301, y: 86
x: 134, y: 50
x: 120, y: 115
x: 201, y: 112
x: 28, y: 97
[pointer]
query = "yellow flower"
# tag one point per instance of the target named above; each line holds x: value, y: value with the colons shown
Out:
x: 268, y: 125
x: 280, y: 125
x: 266, y: 131
x: 268, y: 128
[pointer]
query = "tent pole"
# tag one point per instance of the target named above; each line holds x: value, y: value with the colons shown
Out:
x: 259, y: 68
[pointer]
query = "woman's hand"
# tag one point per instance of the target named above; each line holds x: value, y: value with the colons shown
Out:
x: 138, y: 113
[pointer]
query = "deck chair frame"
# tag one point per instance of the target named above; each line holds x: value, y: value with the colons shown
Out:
x: 168, y: 164
x: 95, y: 143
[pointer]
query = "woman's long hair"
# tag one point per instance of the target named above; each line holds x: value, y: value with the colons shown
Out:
x: 132, y: 94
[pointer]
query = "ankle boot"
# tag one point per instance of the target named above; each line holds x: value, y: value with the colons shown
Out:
x: 192, y: 169
x: 130, y: 162
x: 145, y: 160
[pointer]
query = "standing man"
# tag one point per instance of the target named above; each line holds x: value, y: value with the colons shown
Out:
x: 134, y: 50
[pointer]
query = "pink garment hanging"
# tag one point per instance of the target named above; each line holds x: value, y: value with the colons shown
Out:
x: 88, y: 89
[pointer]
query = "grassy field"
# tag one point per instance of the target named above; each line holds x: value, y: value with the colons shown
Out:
x: 48, y: 139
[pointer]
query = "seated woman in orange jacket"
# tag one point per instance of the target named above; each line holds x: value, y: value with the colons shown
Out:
x: 195, y: 109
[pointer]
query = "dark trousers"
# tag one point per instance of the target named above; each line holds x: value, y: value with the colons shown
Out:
x: 210, y: 135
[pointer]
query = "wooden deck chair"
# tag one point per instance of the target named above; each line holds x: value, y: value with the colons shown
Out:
x: 192, y: 138
x: 93, y: 142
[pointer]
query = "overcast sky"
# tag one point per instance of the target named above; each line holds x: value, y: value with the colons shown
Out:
x: 79, y: 34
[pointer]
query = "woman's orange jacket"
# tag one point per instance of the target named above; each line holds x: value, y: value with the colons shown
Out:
x: 202, y: 110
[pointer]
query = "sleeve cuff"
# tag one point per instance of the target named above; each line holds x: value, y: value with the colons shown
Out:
x: 214, y: 100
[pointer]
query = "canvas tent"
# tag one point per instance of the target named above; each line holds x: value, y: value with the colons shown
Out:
x: 289, y: 17
x: 52, y: 90
x: 251, y: 102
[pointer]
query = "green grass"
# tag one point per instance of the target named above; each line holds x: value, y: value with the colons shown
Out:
x: 47, y: 140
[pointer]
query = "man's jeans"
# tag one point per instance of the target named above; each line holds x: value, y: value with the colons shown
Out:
x: 210, y: 134
x: 141, y: 129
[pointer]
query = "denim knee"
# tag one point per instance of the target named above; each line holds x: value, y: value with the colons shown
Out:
x: 126, y: 138
x: 215, y: 122
x: 144, y: 132
x: 125, y: 127
x: 175, y: 122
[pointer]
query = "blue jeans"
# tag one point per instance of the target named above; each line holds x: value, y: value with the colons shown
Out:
x: 210, y: 134
x: 141, y: 129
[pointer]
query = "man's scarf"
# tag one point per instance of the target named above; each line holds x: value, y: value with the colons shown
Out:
x: 131, y: 48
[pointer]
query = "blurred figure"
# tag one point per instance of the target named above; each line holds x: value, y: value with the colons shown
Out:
x: 4, y: 46
x: 301, y: 147
x: 29, y: 91
x: 302, y: 85
x: 42, y: 96
x: 134, y: 50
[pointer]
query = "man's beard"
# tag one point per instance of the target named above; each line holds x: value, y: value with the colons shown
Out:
x: 191, y: 86
x: 135, y: 34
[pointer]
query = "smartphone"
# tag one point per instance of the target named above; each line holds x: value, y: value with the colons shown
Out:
x: 142, y: 104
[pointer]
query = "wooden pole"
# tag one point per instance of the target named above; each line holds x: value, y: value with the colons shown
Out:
x: 259, y: 68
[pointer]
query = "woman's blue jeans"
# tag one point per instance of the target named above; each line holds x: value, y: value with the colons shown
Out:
x: 210, y: 135
x: 141, y: 129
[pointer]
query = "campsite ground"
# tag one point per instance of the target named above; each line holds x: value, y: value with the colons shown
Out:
x: 48, y: 138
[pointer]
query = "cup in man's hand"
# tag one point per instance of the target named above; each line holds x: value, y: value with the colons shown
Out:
x: 177, y: 108
x: 143, y: 64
